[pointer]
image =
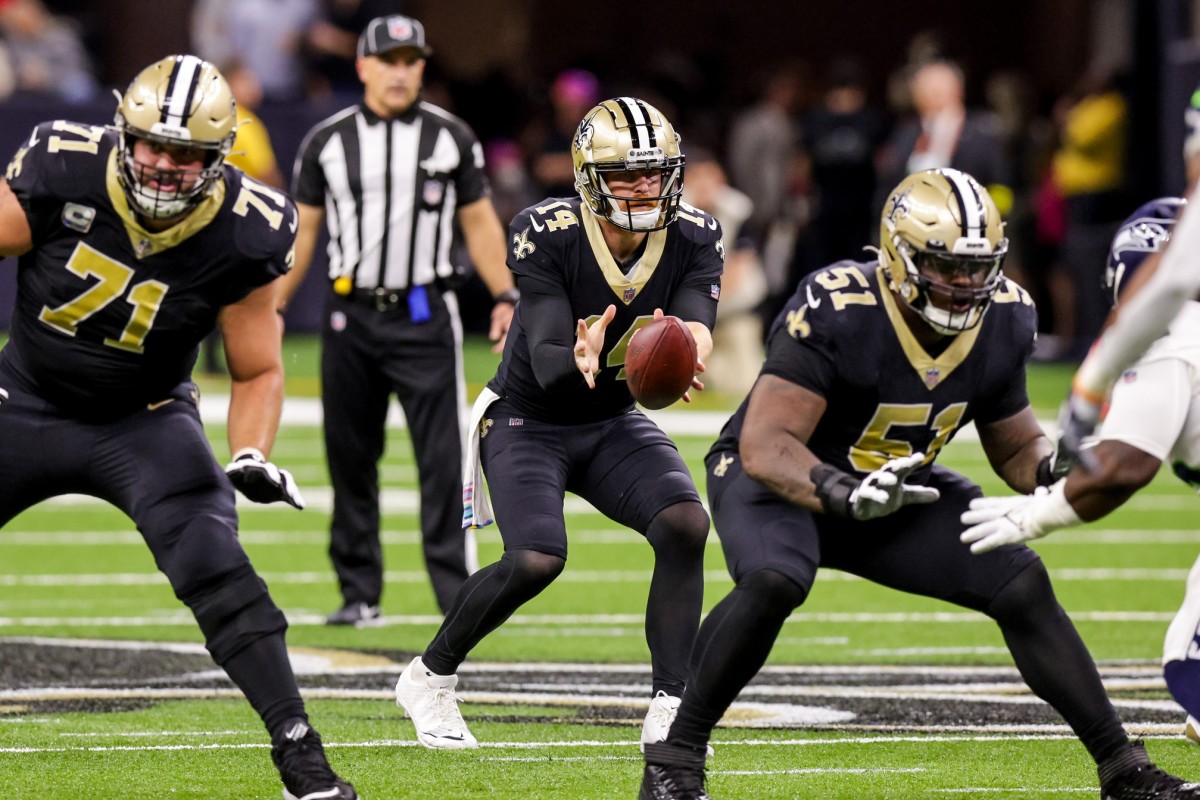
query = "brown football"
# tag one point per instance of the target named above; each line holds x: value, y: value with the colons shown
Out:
x: 660, y: 362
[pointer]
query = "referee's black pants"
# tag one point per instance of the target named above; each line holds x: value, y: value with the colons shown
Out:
x: 367, y: 355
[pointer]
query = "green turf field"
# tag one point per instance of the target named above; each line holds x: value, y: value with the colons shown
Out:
x: 869, y: 693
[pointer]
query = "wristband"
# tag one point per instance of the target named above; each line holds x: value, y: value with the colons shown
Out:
x: 1045, y: 477
x: 833, y: 489
x: 510, y: 296
x: 251, y: 452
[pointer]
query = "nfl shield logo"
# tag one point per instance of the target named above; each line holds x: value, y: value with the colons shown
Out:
x: 630, y: 293
x: 932, y: 376
x: 432, y: 193
x: 398, y: 28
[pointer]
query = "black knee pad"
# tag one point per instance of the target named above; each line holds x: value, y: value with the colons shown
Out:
x: 1025, y: 597
x: 680, y: 524
x: 234, y: 611
x: 772, y: 591
x: 531, y: 567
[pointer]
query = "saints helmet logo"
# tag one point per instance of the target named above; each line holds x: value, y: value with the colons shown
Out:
x: 522, y: 246
x: 901, y: 206
x: 583, y: 137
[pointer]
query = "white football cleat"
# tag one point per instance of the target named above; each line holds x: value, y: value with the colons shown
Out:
x: 1192, y: 730
x: 663, y: 709
x: 429, y: 701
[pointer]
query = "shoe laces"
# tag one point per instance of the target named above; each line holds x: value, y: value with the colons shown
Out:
x: 442, y: 705
x: 662, y: 711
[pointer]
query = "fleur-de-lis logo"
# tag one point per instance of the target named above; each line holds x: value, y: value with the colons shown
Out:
x: 484, y: 426
x: 901, y: 206
x: 797, y: 328
x: 722, y: 466
x: 521, y: 245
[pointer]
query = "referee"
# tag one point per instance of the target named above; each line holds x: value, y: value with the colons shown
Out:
x: 388, y: 175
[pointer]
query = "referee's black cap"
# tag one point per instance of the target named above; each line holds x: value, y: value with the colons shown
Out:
x: 391, y: 33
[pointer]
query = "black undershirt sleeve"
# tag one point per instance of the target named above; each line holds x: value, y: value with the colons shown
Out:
x: 550, y: 332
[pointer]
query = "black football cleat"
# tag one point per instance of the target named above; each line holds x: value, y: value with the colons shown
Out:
x: 360, y: 615
x: 300, y: 759
x: 1131, y: 775
x: 672, y: 773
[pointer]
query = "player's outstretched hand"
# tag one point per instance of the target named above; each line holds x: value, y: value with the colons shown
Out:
x: 260, y: 480
x: 884, y: 490
x: 997, y: 521
x: 1077, y: 418
x: 589, y: 341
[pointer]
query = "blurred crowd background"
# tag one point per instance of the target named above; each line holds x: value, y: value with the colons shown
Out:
x: 796, y: 118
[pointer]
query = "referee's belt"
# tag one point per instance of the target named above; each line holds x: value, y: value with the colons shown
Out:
x: 381, y: 298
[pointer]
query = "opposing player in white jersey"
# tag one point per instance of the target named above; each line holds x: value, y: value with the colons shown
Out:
x: 1153, y: 417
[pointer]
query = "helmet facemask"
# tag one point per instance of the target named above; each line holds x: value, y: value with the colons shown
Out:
x: 184, y: 104
x: 951, y: 292
x: 621, y: 140
x: 618, y: 208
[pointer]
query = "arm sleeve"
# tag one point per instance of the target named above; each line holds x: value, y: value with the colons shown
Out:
x: 549, y: 324
x: 1147, y: 315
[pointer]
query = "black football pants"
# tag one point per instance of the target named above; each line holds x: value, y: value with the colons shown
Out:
x: 367, y: 355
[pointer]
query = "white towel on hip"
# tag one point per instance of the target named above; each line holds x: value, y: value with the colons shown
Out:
x: 477, y: 508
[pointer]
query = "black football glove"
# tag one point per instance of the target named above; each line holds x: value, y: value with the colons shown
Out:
x: 261, y: 481
x: 1077, y: 420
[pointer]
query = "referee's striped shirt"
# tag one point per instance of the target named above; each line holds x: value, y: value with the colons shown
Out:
x: 390, y: 189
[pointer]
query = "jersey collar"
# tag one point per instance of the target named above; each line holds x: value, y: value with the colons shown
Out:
x: 626, y: 288
x: 931, y: 371
x: 147, y: 243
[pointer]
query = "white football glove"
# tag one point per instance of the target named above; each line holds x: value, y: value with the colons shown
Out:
x: 997, y: 521
x: 884, y: 490
x: 260, y: 480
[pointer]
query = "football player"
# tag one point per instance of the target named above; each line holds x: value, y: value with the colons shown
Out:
x: 1164, y: 284
x: 1153, y: 416
x: 133, y: 241
x: 558, y: 415
x: 830, y: 462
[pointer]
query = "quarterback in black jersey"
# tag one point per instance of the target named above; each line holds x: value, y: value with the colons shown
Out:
x: 871, y: 369
x: 559, y: 417
x: 133, y: 241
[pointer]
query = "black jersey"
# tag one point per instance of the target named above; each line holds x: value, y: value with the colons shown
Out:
x: 109, y: 315
x: 842, y: 336
x: 558, y: 251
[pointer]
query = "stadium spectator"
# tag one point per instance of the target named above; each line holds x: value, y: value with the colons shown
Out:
x: 737, y: 337
x: 841, y: 135
x: 558, y: 416
x: 572, y: 93
x: 943, y: 133
x: 264, y: 36
x: 46, y: 52
x: 392, y: 323
x: 97, y: 397
x: 1089, y: 172
x: 813, y: 472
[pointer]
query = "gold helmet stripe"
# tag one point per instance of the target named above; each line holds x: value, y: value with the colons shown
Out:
x: 179, y: 103
x: 971, y: 212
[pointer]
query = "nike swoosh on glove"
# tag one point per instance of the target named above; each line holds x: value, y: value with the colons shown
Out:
x: 261, y: 481
x: 884, y: 490
x: 997, y: 521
